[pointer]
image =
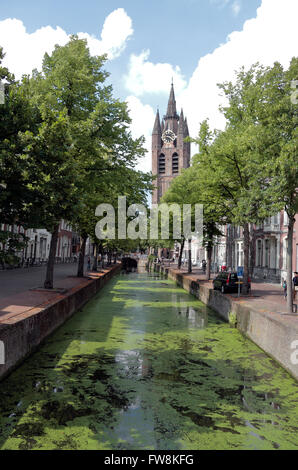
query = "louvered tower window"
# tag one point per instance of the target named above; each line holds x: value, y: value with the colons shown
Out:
x: 161, y: 164
x: 175, y: 163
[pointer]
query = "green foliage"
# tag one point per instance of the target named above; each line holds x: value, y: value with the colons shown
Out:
x: 233, y: 319
x: 10, y: 244
x: 65, y: 144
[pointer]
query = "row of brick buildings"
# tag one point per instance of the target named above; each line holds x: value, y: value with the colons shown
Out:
x: 268, y: 249
x: 37, y: 247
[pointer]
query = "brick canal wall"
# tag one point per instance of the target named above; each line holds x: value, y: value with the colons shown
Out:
x: 22, y: 333
x: 276, y: 334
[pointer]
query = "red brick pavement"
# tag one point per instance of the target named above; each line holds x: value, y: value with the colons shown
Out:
x: 12, y: 308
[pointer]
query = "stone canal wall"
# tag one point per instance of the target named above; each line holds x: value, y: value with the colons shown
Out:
x: 276, y: 334
x: 25, y: 322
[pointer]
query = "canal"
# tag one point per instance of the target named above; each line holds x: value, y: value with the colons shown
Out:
x: 147, y: 366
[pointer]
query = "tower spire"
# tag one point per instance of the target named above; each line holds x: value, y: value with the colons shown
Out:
x: 181, y: 123
x: 186, y: 131
x: 157, y: 128
x: 172, y: 111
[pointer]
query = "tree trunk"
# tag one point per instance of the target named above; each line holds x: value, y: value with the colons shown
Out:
x: 290, y: 265
x: 82, y: 257
x: 100, y: 249
x: 189, y: 257
x: 95, y: 253
x: 245, y: 287
x: 209, y: 257
x: 252, y: 257
x: 35, y: 248
x: 180, y: 253
x: 49, y: 281
x: 102, y: 258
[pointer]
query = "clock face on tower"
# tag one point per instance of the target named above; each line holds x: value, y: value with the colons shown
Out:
x: 168, y: 136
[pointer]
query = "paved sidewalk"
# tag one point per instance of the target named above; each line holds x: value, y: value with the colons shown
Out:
x: 263, y: 297
x: 22, y: 303
x: 14, y: 281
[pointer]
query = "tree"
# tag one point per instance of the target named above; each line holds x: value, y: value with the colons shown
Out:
x: 54, y: 177
x: 260, y: 104
x: 180, y: 193
x: 81, y: 127
x: 277, y: 186
x: 17, y: 116
x: 224, y: 171
x: 115, y: 180
x: 189, y: 188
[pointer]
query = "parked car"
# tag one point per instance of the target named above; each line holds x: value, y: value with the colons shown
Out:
x: 227, y: 282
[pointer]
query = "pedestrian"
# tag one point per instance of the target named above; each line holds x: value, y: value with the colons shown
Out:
x: 89, y: 264
x: 295, y: 283
x: 284, y: 286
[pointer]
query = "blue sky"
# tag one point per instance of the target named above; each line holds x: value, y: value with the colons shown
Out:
x: 198, y: 42
x: 175, y: 31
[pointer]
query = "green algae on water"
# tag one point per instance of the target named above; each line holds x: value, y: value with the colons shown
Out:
x: 146, y: 366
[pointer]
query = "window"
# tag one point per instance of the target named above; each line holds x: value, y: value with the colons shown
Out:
x: 175, y: 163
x: 239, y: 253
x: 275, y: 219
x: 267, y: 253
x: 286, y: 218
x: 267, y: 221
x: 161, y: 164
x: 259, y: 253
x: 285, y: 248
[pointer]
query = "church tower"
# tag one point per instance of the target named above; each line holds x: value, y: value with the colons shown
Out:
x: 169, y: 151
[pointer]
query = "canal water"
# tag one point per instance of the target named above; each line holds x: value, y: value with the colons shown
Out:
x: 147, y: 366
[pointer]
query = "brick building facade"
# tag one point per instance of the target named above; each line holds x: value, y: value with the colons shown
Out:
x: 169, y: 151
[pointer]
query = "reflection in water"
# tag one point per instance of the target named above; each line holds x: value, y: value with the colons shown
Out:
x: 130, y: 363
x: 147, y: 366
x: 195, y: 317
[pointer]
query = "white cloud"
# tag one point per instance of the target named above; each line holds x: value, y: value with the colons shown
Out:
x: 116, y: 31
x: 236, y: 7
x: 143, y: 117
x: 271, y: 36
x: 25, y: 51
x: 147, y: 77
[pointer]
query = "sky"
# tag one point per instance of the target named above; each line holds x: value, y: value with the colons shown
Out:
x: 197, y: 43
